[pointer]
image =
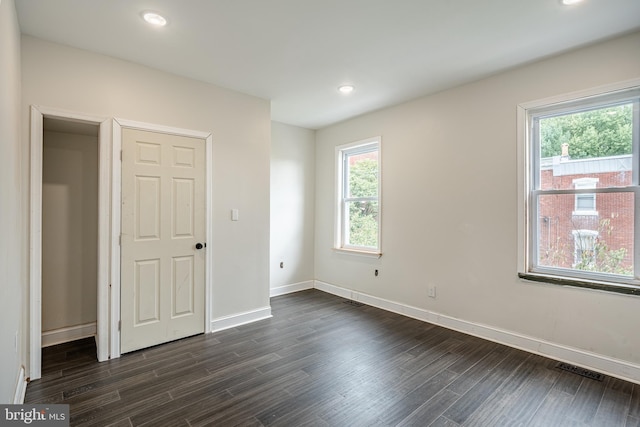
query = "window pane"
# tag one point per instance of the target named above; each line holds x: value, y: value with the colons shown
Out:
x: 363, y: 175
x: 601, y: 243
x: 362, y: 224
x: 588, y: 144
x: 585, y: 202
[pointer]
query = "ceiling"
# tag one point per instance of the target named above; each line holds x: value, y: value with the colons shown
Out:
x: 297, y: 52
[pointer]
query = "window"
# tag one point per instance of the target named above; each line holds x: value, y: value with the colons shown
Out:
x: 585, y: 202
x: 578, y: 151
x: 358, y: 207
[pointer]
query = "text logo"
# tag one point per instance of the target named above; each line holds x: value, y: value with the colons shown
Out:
x: 34, y: 415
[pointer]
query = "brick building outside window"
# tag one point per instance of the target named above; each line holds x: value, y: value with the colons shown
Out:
x: 586, y: 231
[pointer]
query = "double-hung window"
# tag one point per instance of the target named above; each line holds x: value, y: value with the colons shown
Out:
x: 581, y: 204
x: 358, y: 201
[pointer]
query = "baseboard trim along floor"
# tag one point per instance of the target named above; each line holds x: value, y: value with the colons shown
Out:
x: 226, y: 322
x: 21, y: 387
x: 295, y: 287
x: 603, y: 364
x: 71, y: 333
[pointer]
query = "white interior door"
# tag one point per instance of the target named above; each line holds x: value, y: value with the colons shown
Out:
x: 163, y: 224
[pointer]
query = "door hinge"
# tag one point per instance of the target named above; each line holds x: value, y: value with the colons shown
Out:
x: 120, y: 240
x: 120, y: 155
x: 119, y: 324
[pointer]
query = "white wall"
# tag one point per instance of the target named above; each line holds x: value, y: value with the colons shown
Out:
x: 79, y: 81
x: 69, y: 230
x: 292, y: 206
x: 12, y: 239
x: 450, y: 207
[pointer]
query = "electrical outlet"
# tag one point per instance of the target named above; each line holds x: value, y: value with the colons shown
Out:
x: 431, y: 291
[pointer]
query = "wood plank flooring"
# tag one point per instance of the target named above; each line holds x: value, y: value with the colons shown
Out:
x: 320, y: 362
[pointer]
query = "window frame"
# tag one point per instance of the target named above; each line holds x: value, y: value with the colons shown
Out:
x: 528, y: 186
x: 342, y: 153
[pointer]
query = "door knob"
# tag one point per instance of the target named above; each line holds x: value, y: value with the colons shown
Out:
x: 200, y: 245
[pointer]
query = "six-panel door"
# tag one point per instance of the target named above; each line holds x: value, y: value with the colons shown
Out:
x: 163, y: 218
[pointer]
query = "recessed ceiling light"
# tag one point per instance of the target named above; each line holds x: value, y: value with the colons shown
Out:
x: 346, y: 89
x: 570, y: 2
x: 154, y: 18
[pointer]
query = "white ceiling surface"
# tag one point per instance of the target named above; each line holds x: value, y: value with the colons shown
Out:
x: 297, y: 52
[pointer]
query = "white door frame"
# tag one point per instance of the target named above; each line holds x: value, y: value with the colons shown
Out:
x: 38, y: 113
x: 116, y: 196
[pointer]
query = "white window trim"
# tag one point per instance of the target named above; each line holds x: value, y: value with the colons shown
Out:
x: 340, y: 152
x: 524, y: 166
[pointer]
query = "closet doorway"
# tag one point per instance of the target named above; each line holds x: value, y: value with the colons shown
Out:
x: 69, y: 232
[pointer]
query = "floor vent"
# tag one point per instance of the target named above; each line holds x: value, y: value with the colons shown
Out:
x: 580, y: 371
x: 354, y: 303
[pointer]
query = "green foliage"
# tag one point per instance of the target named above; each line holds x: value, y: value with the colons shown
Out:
x: 595, y: 133
x: 597, y: 257
x: 363, y: 178
x: 363, y: 224
x: 363, y: 216
x: 601, y: 258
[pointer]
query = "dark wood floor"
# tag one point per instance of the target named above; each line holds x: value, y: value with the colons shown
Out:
x: 320, y: 362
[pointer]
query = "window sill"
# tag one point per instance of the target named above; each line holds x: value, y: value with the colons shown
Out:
x: 358, y: 252
x: 620, y: 288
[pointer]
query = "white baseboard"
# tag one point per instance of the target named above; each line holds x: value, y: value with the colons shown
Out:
x: 72, y: 333
x: 335, y: 290
x: 226, y: 322
x: 295, y: 287
x: 21, y: 388
x: 597, y: 362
